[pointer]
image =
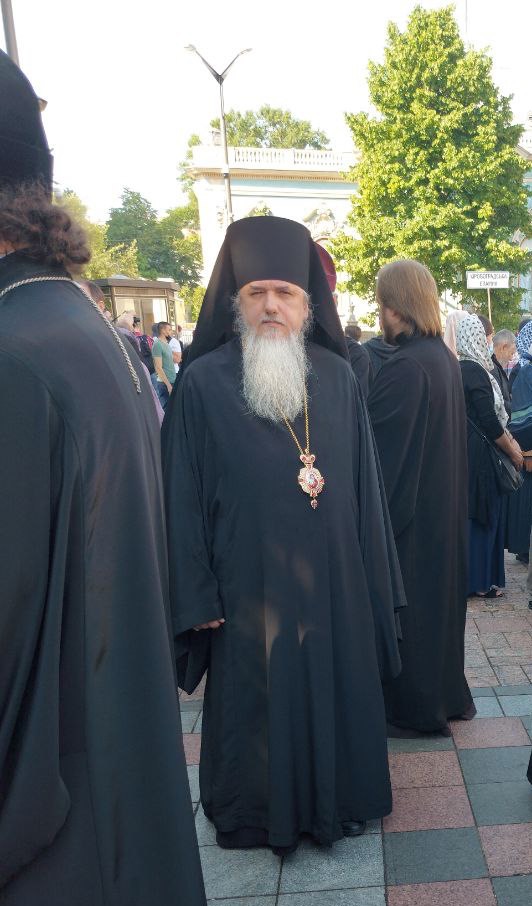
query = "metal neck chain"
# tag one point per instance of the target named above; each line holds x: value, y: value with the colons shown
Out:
x: 134, y: 376
x: 293, y: 433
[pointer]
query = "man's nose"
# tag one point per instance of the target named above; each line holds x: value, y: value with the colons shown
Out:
x: 271, y: 304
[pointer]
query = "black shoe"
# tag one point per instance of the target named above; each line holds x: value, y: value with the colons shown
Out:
x: 354, y: 828
x: 530, y: 605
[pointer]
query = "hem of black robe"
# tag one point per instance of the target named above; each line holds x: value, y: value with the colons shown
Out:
x: 248, y: 836
x: 429, y: 726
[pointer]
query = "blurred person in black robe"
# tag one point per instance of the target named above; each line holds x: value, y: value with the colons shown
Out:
x: 417, y: 411
x: 282, y: 588
x: 359, y: 358
x: 94, y: 802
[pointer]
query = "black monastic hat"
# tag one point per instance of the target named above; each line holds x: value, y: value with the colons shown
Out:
x: 24, y: 151
x: 266, y: 248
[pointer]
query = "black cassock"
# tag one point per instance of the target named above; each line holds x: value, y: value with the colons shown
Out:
x: 94, y: 802
x: 294, y: 735
x: 417, y: 409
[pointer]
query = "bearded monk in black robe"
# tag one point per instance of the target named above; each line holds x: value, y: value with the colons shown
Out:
x: 94, y: 802
x: 417, y: 410
x: 283, y: 589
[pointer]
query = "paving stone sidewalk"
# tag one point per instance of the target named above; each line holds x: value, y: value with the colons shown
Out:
x: 460, y: 833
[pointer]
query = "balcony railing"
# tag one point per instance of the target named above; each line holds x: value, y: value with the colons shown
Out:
x: 207, y: 156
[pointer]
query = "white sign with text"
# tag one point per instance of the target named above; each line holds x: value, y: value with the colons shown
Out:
x: 488, y: 279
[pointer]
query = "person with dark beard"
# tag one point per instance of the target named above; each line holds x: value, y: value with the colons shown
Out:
x: 95, y: 807
x: 418, y: 415
x: 284, y: 577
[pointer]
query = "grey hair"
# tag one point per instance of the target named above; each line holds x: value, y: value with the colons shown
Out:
x: 125, y: 320
x: 503, y: 336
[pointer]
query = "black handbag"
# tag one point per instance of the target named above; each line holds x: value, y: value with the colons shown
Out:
x: 507, y: 478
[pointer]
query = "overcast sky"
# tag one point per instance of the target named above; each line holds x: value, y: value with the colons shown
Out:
x: 123, y: 95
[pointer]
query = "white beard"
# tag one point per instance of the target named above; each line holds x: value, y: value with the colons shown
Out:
x: 274, y: 371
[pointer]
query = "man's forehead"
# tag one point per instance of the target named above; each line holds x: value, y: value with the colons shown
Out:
x: 271, y: 284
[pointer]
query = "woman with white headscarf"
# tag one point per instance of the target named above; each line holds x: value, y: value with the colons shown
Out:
x: 487, y: 414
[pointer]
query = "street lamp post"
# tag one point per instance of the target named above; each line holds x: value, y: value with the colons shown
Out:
x: 9, y: 30
x: 220, y: 78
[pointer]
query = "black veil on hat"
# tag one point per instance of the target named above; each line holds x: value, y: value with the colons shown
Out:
x: 265, y: 248
x: 24, y: 151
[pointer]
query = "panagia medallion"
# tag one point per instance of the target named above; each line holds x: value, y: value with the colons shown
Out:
x: 310, y: 480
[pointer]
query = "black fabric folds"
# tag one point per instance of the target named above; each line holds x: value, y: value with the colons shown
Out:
x: 417, y: 410
x: 24, y: 152
x: 361, y: 365
x: 95, y: 807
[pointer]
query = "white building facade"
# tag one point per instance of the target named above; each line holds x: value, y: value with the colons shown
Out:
x: 304, y: 185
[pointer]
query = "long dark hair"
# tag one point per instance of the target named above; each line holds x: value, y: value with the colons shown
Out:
x: 44, y: 231
x: 408, y: 288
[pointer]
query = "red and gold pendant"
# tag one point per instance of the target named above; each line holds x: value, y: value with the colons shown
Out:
x: 310, y: 480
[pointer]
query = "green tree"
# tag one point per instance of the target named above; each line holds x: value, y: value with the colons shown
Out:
x: 192, y: 297
x: 439, y: 177
x: 135, y: 220
x: 108, y: 260
x: 270, y: 127
x: 167, y: 247
x: 105, y: 259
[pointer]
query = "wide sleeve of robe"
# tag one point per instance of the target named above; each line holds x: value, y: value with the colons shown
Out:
x: 187, y: 462
x: 398, y: 407
x: 34, y: 802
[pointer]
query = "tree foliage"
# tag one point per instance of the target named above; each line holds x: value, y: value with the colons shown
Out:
x: 439, y: 177
x: 192, y: 297
x: 270, y: 127
x: 106, y: 259
x: 167, y: 247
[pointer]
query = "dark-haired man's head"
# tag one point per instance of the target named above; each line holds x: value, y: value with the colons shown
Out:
x: 164, y: 330
x: 354, y: 332
x: 489, y: 329
x: 95, y: 292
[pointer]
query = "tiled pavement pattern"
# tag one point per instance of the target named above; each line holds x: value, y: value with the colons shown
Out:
x: 461, y: 830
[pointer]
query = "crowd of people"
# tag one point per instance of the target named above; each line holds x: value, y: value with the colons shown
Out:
x: 493, y: 366
x: 303, y: 531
